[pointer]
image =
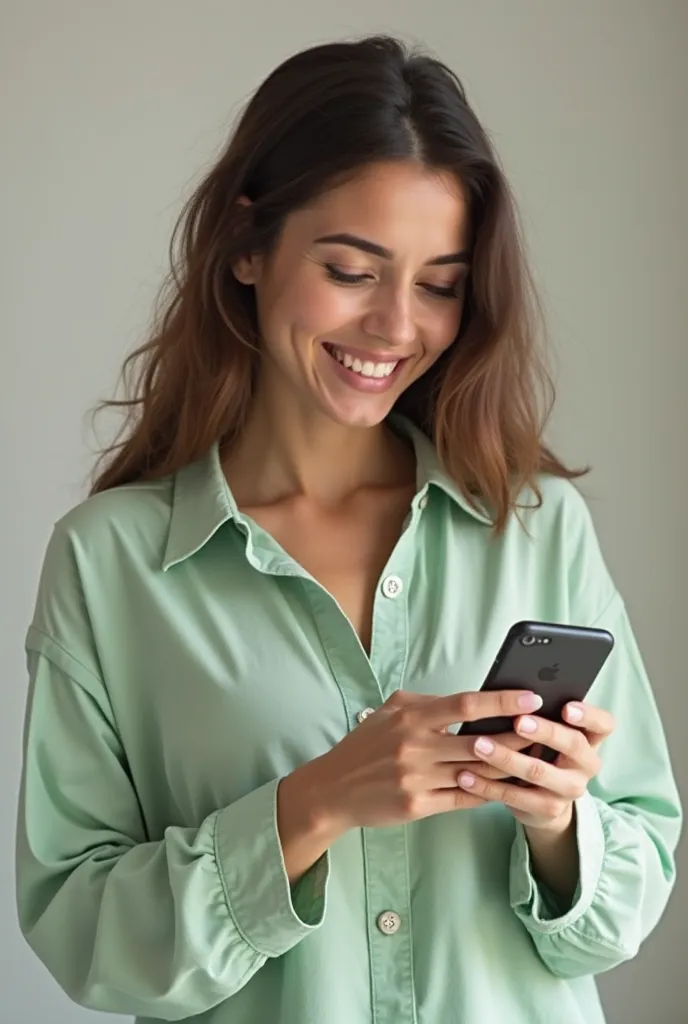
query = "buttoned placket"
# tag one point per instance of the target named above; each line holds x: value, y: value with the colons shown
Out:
x: 365, y: 683
x: 386, y: 857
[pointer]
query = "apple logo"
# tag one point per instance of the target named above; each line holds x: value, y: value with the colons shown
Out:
x: 549, y: 673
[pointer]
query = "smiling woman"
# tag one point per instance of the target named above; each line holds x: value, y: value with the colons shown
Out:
x: 344, y: 318
x: 364, y: 216
x: 243, y: 799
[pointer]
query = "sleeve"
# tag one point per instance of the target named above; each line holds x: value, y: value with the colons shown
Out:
x: 162, y: 929
x: 627, y: 824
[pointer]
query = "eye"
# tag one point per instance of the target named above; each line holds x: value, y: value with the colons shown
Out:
x: 452, y: 292
x: 438, y: 291
x: 335, y: 274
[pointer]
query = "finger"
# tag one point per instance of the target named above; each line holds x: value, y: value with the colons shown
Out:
x: 422, y: 802
x: 566, y: 782
x: 598, y: 723
x: 448, y: 747
x: 514, y: 741
x: 402, y: 699
x: 472, y: 706
x: 443, y: 800
x: 405, y: 698
x: 485, y: 770
x: 540, y: 803
x: 443, y: 776
x: 573, y: 743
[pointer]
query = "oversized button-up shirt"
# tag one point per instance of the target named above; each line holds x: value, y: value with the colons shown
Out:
x: 181, y: 663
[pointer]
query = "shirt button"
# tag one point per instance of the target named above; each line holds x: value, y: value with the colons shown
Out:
x: 389, y: 922
x: 423, y: 503
x: 366, y: 713
x: 392, y: 586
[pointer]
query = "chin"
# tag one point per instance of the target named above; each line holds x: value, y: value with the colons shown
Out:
x: 361, y: 415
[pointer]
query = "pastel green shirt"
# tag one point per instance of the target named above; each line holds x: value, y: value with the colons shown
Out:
x: 181, y: 663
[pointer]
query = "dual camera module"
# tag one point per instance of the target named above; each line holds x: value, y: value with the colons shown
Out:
x: 529, y: 640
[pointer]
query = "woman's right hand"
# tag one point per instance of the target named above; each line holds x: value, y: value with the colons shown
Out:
x: 400, y: 764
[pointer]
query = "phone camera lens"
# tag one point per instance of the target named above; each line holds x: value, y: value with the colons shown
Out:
x: 528, y: 640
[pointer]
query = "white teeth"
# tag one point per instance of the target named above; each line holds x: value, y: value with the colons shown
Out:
x: 367, y: 368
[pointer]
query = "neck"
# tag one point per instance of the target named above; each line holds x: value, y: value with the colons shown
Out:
x: 286, y: 453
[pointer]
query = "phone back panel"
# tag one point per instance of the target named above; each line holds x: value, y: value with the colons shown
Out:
x: 560, y: 670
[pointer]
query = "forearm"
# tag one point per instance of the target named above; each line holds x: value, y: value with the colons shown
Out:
x: 554, y: 855
x: 305, y: 821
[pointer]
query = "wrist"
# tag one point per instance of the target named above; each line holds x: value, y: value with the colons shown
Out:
x: 307, y: 806
x: 554, y: 852
x: 561, y: 826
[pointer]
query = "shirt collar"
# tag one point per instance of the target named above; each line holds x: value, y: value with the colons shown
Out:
x: 201, y: 503
x: 202, y: 500
x: 431, y: 473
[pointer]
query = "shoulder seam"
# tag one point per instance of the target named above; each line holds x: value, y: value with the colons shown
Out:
x: 64, y: 650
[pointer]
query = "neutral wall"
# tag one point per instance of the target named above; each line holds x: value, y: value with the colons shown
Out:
x: 109, y: 111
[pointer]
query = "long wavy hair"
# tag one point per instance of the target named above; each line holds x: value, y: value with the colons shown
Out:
x: 317, y: 120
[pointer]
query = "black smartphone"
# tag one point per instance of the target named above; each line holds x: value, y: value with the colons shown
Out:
x: 559, y: 663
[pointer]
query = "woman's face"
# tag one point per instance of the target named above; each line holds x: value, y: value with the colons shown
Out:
x: 363, y: 291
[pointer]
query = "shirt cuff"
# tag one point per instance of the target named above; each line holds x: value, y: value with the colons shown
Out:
x: 271, y: 916
x: 537, y: 906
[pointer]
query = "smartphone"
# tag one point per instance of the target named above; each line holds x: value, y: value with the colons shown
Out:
x: 559, y: 663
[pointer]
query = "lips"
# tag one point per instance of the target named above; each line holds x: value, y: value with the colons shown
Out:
x: 362, y: 371
x: 364, y: 364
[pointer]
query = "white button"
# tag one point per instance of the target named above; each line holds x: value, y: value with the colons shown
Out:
x: 389, y: 922
x: 366, y: 713
x: 423, y: 503
x: 392, y: 586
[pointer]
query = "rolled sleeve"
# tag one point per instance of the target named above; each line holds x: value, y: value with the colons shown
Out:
x: 271, y: 915
x: 541, y: 910
x: 626, y: 876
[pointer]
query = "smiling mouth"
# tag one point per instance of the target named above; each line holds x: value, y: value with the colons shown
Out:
x: 372, y: 369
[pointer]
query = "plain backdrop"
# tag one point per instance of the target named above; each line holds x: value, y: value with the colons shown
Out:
x: 109, y: 114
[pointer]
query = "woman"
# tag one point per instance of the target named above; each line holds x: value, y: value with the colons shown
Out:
x: 244, y: 798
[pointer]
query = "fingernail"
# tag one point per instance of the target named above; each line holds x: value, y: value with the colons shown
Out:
x: 574, y: 713
x: 466, y: 780
x: 530, y: 701
x: 527, y: 725
x: 484, y: 746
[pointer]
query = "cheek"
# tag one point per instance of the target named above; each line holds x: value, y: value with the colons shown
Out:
x: 441, y: 332
x: 309, y: 307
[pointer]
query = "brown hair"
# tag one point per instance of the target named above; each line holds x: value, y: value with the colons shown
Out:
x: 317, y: 119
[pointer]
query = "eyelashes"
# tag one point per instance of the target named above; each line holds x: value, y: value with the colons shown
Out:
x: 335, y: 274
x: 340, y: 277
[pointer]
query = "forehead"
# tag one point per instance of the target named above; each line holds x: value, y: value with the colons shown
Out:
x: 403, y: 206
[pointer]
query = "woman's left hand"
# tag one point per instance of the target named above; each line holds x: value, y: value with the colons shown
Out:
x: 547, y: 803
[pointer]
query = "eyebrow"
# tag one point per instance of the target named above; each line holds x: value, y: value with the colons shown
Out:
x: 386, y: 254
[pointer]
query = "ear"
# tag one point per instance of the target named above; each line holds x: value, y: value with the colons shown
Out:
x: 246, y: 268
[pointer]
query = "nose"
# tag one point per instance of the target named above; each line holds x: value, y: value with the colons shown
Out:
x: 391, y: 318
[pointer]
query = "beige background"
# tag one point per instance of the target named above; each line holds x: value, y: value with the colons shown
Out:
x: 110, y: 110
